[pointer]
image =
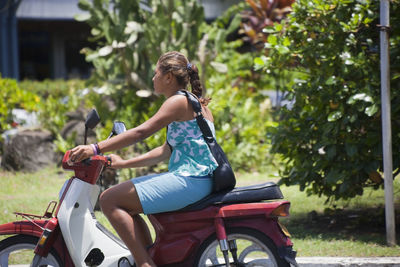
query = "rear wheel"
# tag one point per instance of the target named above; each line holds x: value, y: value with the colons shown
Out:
x: 19, y: 250
x: 253, y: 249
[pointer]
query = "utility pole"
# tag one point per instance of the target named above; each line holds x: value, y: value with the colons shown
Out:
x: 386, y: 123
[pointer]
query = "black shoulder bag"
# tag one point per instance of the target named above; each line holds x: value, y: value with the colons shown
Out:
x: 224, y: 177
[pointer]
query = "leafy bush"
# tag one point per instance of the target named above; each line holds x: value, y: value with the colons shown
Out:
x: 56, y: 99
x: 241, y: 110
x: 14, y: 97
x: 331, y: 137
x: 262, y: 13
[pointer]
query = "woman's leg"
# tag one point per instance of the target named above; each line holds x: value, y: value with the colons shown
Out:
x: 121, y: 205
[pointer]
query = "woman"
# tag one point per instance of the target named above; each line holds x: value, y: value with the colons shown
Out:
x: 190, y: 160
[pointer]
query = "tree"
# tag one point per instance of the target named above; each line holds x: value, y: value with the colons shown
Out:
x: 330, y: 137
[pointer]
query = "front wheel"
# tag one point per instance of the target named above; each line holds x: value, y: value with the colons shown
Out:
x: 19, y: 250
x: 253, y: 249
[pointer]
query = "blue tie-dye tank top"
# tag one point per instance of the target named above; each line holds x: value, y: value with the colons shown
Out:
x: 191, y: 155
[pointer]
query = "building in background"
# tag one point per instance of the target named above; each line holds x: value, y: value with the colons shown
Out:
x: 8, y: 39
x: 39, y: 39
x: 50, y: 40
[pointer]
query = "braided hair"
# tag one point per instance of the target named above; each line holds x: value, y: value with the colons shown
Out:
x: 184, y: 72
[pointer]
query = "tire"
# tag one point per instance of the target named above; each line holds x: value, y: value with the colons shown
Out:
x: 254, y: 249
x: 18, y: 249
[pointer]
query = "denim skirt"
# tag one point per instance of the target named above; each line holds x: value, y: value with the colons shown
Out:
x: 168, y: 192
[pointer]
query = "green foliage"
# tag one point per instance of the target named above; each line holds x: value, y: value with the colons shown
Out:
x: 242, y: 119
x: 14, y: 97
x: 56, y: 99
x: 241, y: 111
x: 331, y: 137
x: 262, y: 13
x: 131, y: 37
x: 50, y: 100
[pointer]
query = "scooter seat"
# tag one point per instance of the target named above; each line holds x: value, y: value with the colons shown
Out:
x: 246, y: 194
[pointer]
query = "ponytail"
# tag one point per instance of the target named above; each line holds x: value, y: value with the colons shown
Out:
x: 197, y: 88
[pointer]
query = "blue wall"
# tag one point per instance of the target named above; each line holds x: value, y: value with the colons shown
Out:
x: 9, y: 39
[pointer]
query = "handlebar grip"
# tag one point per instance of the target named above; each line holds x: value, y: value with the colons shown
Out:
x: 108, y: 162
x: 86, y: 163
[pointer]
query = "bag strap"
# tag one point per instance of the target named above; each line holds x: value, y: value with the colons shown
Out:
x: 203, y: 125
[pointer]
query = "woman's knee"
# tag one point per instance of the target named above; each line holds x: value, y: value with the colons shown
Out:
x: 105, y: 201
x: 122, y: 196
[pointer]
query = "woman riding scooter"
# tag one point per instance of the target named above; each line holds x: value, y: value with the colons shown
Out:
x: 191, y: 163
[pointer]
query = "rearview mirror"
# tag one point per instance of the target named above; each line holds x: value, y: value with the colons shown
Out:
x: 118, y: 127
x: 92, y: 119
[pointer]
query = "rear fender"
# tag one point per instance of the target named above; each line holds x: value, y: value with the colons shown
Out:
x: 271, y: 228
x: 268, y: 226
x: 33, y: 228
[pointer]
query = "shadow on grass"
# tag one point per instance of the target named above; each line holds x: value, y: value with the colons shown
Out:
x: 366, y: 225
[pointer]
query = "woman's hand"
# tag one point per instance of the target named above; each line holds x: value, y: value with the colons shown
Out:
x: 116, y: 162
x: 80, y: 153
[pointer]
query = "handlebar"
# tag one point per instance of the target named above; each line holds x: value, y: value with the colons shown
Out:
x: 69, y: 165
x: 89, y: 169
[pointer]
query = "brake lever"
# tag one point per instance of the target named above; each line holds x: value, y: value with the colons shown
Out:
x: 109, y: 161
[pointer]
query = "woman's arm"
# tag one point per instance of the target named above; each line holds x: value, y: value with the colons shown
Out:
x: 152, y: 157
x: 172, y: 110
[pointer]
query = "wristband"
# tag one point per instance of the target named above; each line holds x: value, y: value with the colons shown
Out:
x: 97, y: 149
x: 94, y: 149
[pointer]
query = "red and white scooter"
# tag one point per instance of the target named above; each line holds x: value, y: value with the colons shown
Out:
x: 239, y: 227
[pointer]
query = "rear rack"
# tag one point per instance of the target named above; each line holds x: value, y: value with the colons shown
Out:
x: 47, y: 214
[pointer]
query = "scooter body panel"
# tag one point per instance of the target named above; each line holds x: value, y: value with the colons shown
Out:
x: 179, y: 234
x: 82, y: 232
x: 177, y: 241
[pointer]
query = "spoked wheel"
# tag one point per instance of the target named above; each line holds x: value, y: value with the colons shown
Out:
x: 253, y: 249
x: 18, y: 250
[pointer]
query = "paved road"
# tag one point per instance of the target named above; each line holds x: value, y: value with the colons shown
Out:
x: 336, y: 262
x: 348, y: 262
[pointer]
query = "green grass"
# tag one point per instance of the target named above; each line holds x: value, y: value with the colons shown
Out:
x: 29, y: 192
x: 351, y: 228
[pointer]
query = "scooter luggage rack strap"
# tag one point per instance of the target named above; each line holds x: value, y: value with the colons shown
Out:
x: 247, y: 194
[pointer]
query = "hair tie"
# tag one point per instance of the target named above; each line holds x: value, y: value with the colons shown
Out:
x: 189, y: 66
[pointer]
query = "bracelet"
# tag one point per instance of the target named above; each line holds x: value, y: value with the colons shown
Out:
x: 97, y: 149
x: 94, y: 149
